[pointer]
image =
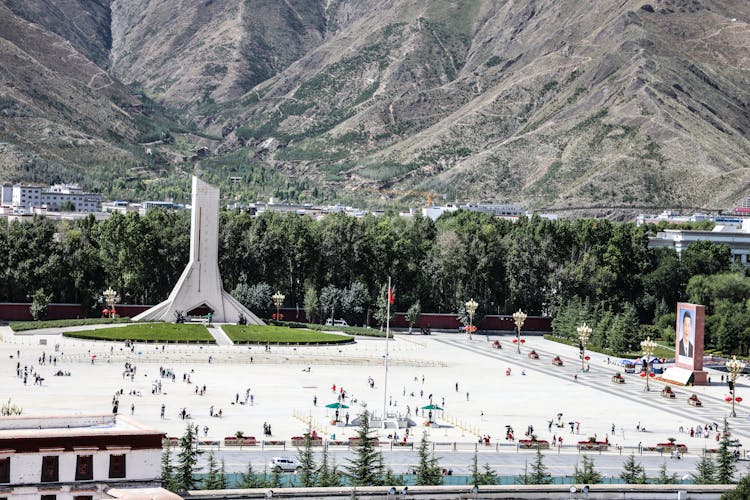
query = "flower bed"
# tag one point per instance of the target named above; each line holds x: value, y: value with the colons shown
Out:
x: 527, y: 444
x: 243, y: 441
x: 300, y: 441
x: 670, y: 447
x: 275, y: 442
x: 354, y: 441
x: 593, y: 445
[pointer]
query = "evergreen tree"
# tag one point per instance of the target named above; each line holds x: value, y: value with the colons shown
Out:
x: 362, y: 469
x: 412, y: 314
x: 327, y: 475
x: 167, y: 469
x: 586, y: 474
x: 307, y: 462
x: 741, y: 492
x: 187, y: 462
x: 725, y: 462
x: 249, y: 479
x: 275, y: 481
x: 539, y: 473
x: 488, y: 475
x: 475, y: 474
x: 633, y: 472
x: 428, y: 469
x: 705, y: 471
x: 212, y: 480
x: 664, y: 477
x: 223, y: 483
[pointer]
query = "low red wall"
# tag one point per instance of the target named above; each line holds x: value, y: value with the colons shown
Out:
x: 448, y: 321
x: 14, y: 311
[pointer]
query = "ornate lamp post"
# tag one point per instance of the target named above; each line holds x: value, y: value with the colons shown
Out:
x: 735, y: 367
x: 584, y: 332
x: 519, y: 317
x: 111, y: 298
x: 648, y: 346
x: 278, y: 299
x: 471, y: 308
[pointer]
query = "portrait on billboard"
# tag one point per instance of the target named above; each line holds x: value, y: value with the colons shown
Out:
x: 686, y: 335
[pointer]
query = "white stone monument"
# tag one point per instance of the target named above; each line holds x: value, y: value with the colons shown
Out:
x: 200, y: 283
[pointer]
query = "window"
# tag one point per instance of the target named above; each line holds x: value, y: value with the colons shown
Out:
x: 84, y: 467
x: 49, y: 497
x: 83, y: 497
x: 50, y: 469
x: 116, y: 466
x: 5, y: 470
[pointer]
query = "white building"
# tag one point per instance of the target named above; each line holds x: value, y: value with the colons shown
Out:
x: 737, y: 239
x: 76, y: 457
x: 27, y: 198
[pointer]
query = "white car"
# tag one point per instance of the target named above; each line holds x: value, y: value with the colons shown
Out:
x: 284, y: 464
x: 336, y: 322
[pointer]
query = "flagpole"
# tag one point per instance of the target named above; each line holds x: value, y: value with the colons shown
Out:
x: 387, y: 331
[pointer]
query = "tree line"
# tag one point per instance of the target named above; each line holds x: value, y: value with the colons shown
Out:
x: 340, y: 264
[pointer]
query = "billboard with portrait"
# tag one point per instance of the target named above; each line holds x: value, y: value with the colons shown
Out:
x: 689, y: 336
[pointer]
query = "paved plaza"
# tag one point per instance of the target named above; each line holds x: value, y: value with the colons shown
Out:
x: 280, y: 388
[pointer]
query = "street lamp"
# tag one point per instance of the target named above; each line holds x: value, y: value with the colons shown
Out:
x: 648, y: 346
x: 111, y: 298
x: 471, y: 308
x: 278, y: 299
x: 584, y: 332
x: 519, y: 317
x: 735, y: 367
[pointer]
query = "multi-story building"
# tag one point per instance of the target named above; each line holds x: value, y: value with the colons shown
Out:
x: 76, y: 457
x: 27, y: 198
x: 737, y: 239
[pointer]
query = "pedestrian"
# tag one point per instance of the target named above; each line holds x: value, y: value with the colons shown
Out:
x: 315, y: 400
x: 456, y: 386
x: 162, y: 411
x: 467, y: 396
x: 613, y: 429
x: 132, y: 408
x: 347, y: 418
x: 252, y: 399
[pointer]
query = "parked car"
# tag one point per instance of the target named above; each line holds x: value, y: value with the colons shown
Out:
x: 336, y: 322
x: 284, y: 464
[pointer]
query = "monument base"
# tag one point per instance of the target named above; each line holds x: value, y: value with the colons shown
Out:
x: 682, y: 376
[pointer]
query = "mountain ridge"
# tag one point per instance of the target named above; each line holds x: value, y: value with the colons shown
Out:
x: 620, y: 103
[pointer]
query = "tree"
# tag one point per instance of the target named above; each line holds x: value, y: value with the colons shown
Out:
x: 327, y: 475
x: 353, y: 302
x: 39, y: 304
x: 307, y: 462
x: 664, y: 477
x: 363, y: 468
x: 187, y: 462
x: 213, y: 479
x: 249, y: 479
x: 413, y: 313
x: 312, y: 305
x: 705, y: 471
x: 633, y: 472
x: 486, y: 476
x: 539, y: 473
x: 257, y: 298
x: 67, y: 206
x: 741, y: 492
x: 725, y: 461
x: 275, y: 481
x: 167, y: 470
x: 428, y: 469
x: 586, y: 474
x: 330, y: 299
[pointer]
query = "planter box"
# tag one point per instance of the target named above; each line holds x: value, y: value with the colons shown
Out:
x: 618, y: 380
x: 354, y: 441
x: 235, y: 441
x: 668, y: 447
x: 527, y: 444
x: 300, y: 441
x: 694, y: 402
x: 597, y: 446
x: 668, y: 395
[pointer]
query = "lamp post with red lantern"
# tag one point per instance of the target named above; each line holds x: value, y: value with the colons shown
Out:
x: 519, y: 317
x: 648, y: 346
x: 471, y: 308
x: 111, y: 297
x: 278, y: 300
x: 584, y: 332
x: 735, y: 367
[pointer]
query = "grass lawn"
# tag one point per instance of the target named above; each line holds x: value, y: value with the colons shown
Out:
x: 149, y: 332
x: 258, y: 334
x: 21, y: 326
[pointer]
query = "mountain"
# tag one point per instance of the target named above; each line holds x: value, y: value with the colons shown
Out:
x: 611, y: 105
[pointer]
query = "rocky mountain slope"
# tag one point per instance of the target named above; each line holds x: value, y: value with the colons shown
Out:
x: 562, y: 105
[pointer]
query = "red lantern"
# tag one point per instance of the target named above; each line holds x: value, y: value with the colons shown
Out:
x: 523, y: 341
x: 515, y: 341
x: 652, y: 375
x: 587, y: 358
x: 738, y: 399
x: 273, y: 316
x: 105, y: 312
x: 643, y: 374
x: 728, y: 399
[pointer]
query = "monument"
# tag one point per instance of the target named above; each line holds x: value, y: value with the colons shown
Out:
x: 688, y: 352
x: 199, y: 286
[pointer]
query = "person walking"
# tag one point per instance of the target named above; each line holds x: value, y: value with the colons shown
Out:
x: 162, y: 411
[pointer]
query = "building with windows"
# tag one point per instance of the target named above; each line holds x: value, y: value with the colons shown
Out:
x: 76, y: 457
x: 737, y: 239
x: 24, y: 199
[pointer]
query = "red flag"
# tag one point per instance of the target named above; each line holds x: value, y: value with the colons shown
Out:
x: 390, y: 296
